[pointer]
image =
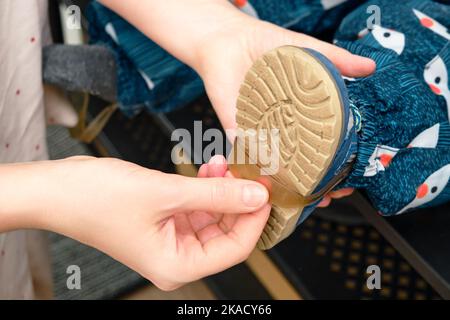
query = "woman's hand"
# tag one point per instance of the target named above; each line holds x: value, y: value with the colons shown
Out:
x: 226, y: 55
x: 171, y: 229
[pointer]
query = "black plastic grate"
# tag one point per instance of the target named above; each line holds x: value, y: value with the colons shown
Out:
x: 330, y: 260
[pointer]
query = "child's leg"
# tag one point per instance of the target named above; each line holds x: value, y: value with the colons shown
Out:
x: 401, y: 104
x: 394, y: 107
x: 390, y: 108
x: 408, y: 92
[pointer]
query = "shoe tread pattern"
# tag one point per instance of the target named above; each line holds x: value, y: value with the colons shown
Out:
x: 290, y: 90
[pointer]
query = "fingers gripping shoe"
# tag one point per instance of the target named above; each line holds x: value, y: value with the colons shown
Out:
x: 300, y: 93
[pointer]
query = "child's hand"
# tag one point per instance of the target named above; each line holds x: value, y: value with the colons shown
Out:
x: 169, y: 228
x: 335, y: 195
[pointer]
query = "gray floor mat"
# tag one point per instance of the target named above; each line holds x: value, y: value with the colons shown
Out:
x: 101, y: 276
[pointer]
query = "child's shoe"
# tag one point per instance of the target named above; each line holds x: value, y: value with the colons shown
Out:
x: 300, y: 93
x: 387, y: 134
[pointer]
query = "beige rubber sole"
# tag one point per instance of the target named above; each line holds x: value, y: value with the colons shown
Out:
x: 289, y: 89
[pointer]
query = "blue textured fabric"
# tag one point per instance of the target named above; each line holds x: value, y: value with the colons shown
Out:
x: 397, y: 102
x: 148, y: 77
x: 402, y: 152
x: 402, y: 182
x: 307, y: 16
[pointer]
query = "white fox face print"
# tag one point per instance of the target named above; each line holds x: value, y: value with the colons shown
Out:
x: 426, y: 139
x: 432, y: 24
x: 380, y: 160
x: 245, y: 7
x: 383, y: 155
x: 387, y: 38
x: 430, y: 189
x: 436, y: 76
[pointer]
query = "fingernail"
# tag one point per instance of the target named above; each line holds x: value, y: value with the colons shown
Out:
x: 217, y: 159
x: 368, y: 60
x: 254, y: 195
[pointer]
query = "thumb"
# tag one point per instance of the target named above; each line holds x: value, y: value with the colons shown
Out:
x: 221, y: 195
x: 349, y: 64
